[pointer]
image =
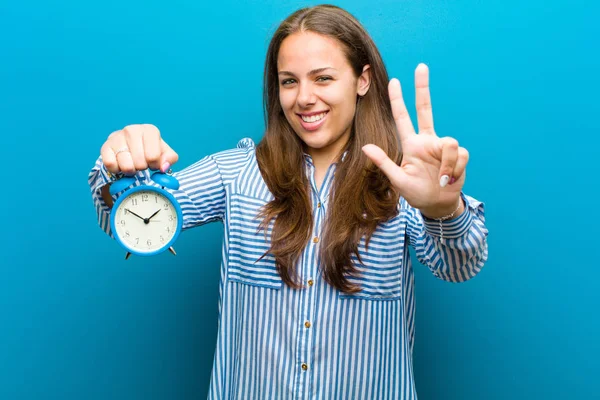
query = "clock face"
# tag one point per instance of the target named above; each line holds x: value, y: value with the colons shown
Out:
x: 145, y: 221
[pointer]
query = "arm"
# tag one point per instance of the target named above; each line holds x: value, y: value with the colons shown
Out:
x: 429, y: 176
x: 201, y: 193
x: 462, y: 252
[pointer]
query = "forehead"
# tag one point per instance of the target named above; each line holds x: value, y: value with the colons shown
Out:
x: 304, y: 51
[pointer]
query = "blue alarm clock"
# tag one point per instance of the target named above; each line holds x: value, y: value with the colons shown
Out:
x: 146, y: 220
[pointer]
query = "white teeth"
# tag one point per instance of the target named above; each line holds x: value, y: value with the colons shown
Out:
x: 313, y: 118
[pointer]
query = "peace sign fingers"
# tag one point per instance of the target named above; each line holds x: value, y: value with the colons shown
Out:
x: 423, y: 100
x: 403, y: 123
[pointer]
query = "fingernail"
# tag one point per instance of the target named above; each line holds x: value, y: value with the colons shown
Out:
x: 452, y: 180
x: 165, y: 167
x: 444, y: 180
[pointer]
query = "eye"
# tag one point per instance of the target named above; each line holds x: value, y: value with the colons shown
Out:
x: 324, y: 78
x: 287, y: 82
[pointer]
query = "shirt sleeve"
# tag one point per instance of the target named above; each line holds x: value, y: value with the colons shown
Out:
x: 457, y: 253
x: 201, y: 193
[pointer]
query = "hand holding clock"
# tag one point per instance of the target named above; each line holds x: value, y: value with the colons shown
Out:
x: 132, y: 149
x: 135, y: 148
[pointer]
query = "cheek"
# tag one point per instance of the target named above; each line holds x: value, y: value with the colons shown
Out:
x: 343, y: 106
x: 287, y: 99
x: 338, y: 97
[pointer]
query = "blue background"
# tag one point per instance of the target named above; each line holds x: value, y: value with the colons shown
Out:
x: 515, y: 82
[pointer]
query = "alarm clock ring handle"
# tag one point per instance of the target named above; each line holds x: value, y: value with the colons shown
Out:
x: 121, y: 184
x: 166, y: 179
x: 163, y: 179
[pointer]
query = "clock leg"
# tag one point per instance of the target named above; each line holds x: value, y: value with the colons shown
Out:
x: 172, y: 250
x: 127, y: 255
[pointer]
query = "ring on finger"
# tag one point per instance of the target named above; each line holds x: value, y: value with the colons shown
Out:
x: 121, y: 150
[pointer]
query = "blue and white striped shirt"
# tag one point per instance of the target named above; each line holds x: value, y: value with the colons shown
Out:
x: 275, y: 342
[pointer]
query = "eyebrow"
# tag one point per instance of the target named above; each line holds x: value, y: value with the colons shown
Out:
x: 313, y: 72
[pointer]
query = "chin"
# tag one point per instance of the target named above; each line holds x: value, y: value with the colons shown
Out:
x: 314, y: 143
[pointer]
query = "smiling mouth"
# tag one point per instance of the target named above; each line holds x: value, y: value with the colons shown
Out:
x: 313, y: 117
x: 312, y: 121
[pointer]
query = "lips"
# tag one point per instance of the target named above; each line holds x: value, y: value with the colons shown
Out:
x: 312, y: 121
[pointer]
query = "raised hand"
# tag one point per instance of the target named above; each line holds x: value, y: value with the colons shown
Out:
x: 432, y: 172
x: 135, y: 148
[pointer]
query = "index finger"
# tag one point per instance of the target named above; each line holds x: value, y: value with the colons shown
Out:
x: 109, y: 159
x: 401, y: 116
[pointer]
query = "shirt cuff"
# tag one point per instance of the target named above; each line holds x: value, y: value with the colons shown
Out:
x: 100, y: 176
x: 451, y: 228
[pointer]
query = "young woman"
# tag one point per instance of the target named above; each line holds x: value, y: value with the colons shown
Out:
x: 317, y: 291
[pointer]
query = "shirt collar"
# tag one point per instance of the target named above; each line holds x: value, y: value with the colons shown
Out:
x: 309, y: 160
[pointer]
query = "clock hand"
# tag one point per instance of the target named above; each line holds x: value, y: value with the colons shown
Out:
x: 134, y: 214
x: 150, y: 217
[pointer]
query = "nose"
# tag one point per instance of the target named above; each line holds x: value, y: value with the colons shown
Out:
x: 306, y: 96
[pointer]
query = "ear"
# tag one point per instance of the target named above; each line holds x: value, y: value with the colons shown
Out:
x: 364, y: 81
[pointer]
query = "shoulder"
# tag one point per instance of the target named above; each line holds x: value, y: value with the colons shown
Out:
x: 244, y: 150
x: 236, y: 162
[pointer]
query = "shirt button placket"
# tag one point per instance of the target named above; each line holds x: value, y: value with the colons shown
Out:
x: 310, y: 281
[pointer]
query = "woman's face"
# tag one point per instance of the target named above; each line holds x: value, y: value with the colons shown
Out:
x: 318, y: 91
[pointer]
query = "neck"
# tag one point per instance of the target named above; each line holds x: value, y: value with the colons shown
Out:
x: 322, y: 161
x: 322, y: 158
x: 321, y: 166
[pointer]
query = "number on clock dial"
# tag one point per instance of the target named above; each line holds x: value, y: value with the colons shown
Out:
x: 151, y: 235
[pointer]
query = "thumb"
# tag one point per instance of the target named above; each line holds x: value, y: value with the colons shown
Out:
x: 392, y: 170
x: 168, y: 157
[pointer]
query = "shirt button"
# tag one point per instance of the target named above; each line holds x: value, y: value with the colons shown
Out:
x: 304, y: 366
x: 310, y: 282
x: 307, y: 324
x: 316, y: 240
